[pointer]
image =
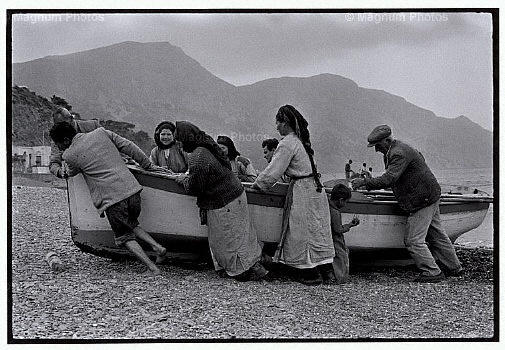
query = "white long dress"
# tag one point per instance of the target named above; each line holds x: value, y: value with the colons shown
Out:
x: 308, y: 241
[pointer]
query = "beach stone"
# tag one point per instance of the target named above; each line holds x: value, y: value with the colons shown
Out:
x: 100, y: 299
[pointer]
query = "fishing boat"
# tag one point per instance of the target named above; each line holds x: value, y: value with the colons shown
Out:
x: 172, y: 217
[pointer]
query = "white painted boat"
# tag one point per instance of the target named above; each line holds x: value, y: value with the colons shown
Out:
x: 172, y: 217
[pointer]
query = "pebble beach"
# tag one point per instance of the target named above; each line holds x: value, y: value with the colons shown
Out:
x: 95, y: 298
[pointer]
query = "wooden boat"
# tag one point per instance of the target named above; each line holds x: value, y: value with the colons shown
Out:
x: 172, y: 217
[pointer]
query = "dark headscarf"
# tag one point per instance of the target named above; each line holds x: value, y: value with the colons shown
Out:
x: 232, y: 151
x: 300, y: 125
x: 192, y: 137
x: 163, y: 125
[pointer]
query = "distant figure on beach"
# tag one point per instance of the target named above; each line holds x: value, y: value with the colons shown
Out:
x: 223, y: 207
x: 168, y: 153
x: 269, y: 146
x: 113, y: 188
x: 306, y: 242
x: 241, y: 166
x: 364, y: 173
x: 370, y: 172
x: 348, y: 171
x: 63, y: 115
x: 418, y: 193
x: 340, y: 195
x: 363, y: 168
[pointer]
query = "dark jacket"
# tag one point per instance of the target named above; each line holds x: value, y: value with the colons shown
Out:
x: 413, y: 183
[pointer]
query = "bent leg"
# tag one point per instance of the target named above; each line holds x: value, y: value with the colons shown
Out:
x: 137, y: 250
x: 146, y: 237
x: 415, y: 241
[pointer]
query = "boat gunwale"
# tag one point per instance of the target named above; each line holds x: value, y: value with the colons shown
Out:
x: 280, y: 190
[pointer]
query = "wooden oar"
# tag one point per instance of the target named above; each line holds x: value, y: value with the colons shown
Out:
x: 445, y: 197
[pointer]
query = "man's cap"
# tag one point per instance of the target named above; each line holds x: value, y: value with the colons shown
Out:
x: 378, y: 134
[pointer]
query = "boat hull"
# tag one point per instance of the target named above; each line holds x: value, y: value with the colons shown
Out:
x: 172, y: 218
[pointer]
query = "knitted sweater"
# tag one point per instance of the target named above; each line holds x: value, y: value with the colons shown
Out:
x: 214, y: 185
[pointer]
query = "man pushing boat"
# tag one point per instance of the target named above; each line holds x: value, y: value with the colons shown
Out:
x: 418, y: 193
x: 113, y: 188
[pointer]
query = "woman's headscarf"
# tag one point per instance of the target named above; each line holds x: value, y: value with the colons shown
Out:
x: 299, y: 124
x: 192, y: 137
x: 232, y: 151
x: 163, y: 125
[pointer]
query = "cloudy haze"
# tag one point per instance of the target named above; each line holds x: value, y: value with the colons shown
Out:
x: 438, y: 61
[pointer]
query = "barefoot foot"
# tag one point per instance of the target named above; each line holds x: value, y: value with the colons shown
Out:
x: 162, y: 255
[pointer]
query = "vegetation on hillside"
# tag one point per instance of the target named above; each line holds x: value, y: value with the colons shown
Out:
x: 31, y: 120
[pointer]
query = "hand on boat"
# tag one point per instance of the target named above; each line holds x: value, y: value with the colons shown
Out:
x: 62, y: 174
x: 156, y: 168
x: 180, y: 179
x: 355, y: 221
x: 357, y: 183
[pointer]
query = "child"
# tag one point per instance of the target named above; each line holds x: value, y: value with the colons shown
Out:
x: 113, y: 188
x: 340, y: 195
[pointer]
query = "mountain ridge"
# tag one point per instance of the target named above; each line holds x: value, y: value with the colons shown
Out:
x: 144, y: 83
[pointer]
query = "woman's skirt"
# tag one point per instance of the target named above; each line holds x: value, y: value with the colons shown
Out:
x: 232, y: 237
x: 308, y: 241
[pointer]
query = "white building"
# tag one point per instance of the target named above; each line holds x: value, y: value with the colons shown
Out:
x: 31, y: 159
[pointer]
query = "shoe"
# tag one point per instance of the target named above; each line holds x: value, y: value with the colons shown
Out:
x: 257, y: 272
x: 455, y: 273
x: 310, y: 277
x: 266, y: 261
x: 221, y: 273
x: 327, y: 273
x: 430, y: 279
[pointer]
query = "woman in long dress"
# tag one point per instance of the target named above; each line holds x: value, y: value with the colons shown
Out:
x: 307, y: 243
x: 223, y: 205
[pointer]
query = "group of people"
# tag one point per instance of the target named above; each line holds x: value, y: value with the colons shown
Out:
x: 312, y: 240
x: 364, y: 172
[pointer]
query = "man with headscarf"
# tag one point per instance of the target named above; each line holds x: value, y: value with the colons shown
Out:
x: 418, y: 193
x: 80, y: 126
x: 223, y: 205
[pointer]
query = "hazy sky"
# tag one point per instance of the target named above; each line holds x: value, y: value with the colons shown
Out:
x: 438, y: 61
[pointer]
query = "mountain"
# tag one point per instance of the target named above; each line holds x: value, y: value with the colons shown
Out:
x: 134, y: 82
x: 144, y: 83
x: 341, y: 115
x: 32, y: 120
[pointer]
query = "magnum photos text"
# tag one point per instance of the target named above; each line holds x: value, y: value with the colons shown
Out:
x: 63, y: 17
x: 396, y: 17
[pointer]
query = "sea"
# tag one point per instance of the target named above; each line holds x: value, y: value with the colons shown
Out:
x: 477, y: 178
